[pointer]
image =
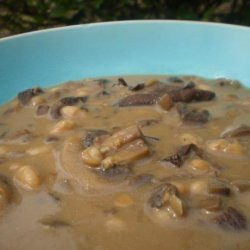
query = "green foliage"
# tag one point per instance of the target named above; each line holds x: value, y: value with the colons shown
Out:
x: 26, y: 15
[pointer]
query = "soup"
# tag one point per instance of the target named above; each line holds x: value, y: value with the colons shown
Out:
x: 139, y: 162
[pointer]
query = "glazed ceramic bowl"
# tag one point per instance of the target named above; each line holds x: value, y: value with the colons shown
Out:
x: 53, y: 56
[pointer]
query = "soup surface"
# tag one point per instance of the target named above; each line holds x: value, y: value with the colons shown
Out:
x: 140, y: 162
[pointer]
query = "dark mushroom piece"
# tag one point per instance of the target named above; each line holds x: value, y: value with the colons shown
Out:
x: 234, y: 131
x: 72, y: 100
x: 177, y: 159
x: 176, y: 93
x: 189, y: 94
x: 92, y: 134
x: 192, y: 115
x: 218, y: 187
x: 137, y: 87
x: 127, y: 154
x: 189, y: 85
x: 51, y: 139
x: 55, y: 110
x: 166, y: 197
x: 138, y: 100
x: 186, y: 93
x: 25, y: 96
x: 122, y: 82
x: 161, y: 194
x: 116, y: 173
x: 231, y: 220
x: 81, y: 175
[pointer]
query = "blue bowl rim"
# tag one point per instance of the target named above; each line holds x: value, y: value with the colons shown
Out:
x: 125, y: 22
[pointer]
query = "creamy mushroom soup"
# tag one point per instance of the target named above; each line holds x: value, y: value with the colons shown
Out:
x: 134, y: 162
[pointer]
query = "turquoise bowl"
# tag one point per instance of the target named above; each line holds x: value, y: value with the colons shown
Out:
x: 52, y: 56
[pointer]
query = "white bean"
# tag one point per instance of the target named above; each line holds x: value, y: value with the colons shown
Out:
x: 199, y: 164
x: 28, y: 178
x: 72, y: 112
x: 198, y: 187
x: 92, y: 156
x: 63, y: 126
x: 37, y: 100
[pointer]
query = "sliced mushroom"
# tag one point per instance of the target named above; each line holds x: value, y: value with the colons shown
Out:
x: 25, y: 96
x: 72, y: 100
x: 131, y: 152
x: 117, y: 173
x: 218, y: 187
x: 192, y: 115
x: 177, y: 159
x: 120, y: 138
x: 123, y: 147
x: 231, y: 220
x: 91, y: 135
x: 191, y: 94
x: 122, y: 82
x: 138, y: 100
x: 234, y: 131
x: 137, y: 87
x: 81, y: 175
x: 55, y: 110
x: 176, y: 92
x: 51, y: 139
x: 166, y: 197
x: 161, y: 195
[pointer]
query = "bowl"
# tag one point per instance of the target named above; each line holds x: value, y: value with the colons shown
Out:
x: 60, y: 202
x: 56, y: 55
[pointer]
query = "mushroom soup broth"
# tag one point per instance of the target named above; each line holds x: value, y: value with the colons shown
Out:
x: 140, y: 162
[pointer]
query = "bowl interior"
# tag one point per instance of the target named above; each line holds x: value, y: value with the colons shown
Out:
x: 52, y: 56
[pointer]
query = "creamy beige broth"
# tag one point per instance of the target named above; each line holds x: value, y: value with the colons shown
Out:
x: 127, y: 163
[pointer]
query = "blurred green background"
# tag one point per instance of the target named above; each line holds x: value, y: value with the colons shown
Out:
x: 17, y: 16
